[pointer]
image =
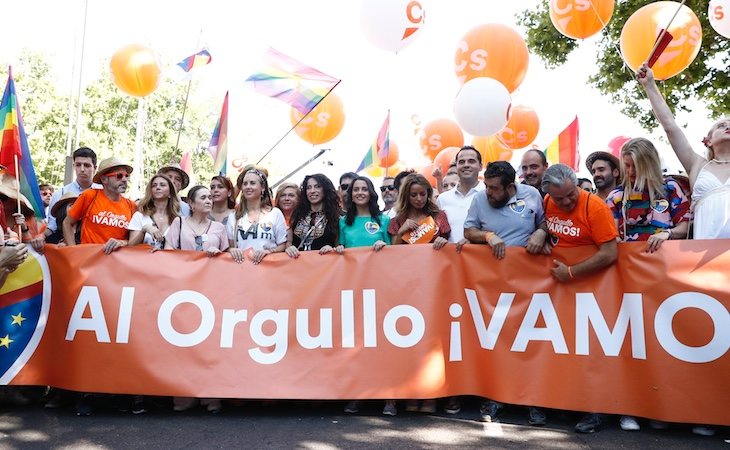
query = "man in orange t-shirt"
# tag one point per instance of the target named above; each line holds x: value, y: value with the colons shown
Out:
x: 575, y: 217
x: 104, y: 213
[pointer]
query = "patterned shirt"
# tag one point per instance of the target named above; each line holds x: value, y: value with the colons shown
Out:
x: 644, y: 218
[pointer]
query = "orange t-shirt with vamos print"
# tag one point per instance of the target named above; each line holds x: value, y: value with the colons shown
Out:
x: 101, y: 218
x: 589, y: 223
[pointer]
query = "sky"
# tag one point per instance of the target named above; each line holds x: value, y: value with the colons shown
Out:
x: 325, y: 34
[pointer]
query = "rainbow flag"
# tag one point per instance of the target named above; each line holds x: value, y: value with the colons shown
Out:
x: 379, y: 149
x: 15, y: 142
x: 197, y: 60
x: 218, y: 147
x: 300, y: 86
x: 186, y: 164
x: 564, y: 149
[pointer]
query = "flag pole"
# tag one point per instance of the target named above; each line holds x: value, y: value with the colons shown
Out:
x: 17, y: 195
x: 187, y: 94
x: 302, y: 166
x: 296, y: 124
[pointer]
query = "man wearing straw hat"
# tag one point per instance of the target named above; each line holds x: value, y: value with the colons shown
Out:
x: 104, y: 213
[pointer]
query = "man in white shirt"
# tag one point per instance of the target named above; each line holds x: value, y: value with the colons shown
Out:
x: 456, y: 202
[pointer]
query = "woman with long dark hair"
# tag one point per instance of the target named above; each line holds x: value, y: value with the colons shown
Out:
x: 363, y: 225
x: 315, y: 221
x: 417, y: 215
x: 223, y: 196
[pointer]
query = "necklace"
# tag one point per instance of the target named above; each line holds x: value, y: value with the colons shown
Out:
x: 721, y: 161
x: 196, y: 232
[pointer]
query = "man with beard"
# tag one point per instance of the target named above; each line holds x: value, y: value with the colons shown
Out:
x: 506, y: 214
x: 605, y: 169
x: 533, y: 166
x: 455, y: 202
x: 390, y: 196
x: 105, y: 213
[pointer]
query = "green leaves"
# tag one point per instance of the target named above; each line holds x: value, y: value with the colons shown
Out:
x: 706, y: 79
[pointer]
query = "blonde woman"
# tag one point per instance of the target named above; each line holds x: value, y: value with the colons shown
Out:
x: 287, y: 199
x: 646, y: 207
x: 157, y: 209
x: 709, y: 177
x: 257, y: 227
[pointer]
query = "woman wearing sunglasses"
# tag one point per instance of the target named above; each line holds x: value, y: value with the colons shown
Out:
x: 257, y: 228
x: 315, y: 222
x: 196, y: 231
x: 157, y: 209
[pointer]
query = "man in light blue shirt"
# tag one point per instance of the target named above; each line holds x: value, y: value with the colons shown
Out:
x: 84, y: 160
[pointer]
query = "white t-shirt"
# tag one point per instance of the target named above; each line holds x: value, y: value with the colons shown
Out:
x: 138, y: 222
x: 456, y: 206
x: 268, y: 233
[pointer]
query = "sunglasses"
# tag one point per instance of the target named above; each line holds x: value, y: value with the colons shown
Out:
x: 117, y: 175
x: 345, y: 186
x: 199, y: 243
x: 387, y: 188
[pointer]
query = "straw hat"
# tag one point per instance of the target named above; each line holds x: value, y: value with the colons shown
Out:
x: 176, y: 167
x: 108, y: 165
x: 9, y: 188
x: 65, y: 199
x: 602, y: 155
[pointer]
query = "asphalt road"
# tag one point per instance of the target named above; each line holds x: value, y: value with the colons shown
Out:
x: 324, y: 425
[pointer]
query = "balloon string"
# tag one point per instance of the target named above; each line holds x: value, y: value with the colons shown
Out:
x: 615, y: 46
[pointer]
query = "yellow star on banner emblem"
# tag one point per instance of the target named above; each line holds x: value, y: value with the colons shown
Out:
x: 17, y: 320
x: 5, y: 341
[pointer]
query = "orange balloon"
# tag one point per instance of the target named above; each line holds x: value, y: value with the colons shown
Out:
x: 491, y: 148
x: 427, y: 171
x: 579, y: 19
x: 445, y: 158
x: 439, y: 134
x: 135, y: 70
x: 495, y: 51
x: 323, y: 123
x: 642, y: 29
x: 521, y: 129
x: 391, y: 158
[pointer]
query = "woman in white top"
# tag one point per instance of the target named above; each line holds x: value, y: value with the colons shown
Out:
x: 709, y: 177
x: 257, y: 227
x: 157, y: 209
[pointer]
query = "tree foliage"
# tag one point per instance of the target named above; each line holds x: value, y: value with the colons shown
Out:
x: 109, y: 121
x: 706, y: 79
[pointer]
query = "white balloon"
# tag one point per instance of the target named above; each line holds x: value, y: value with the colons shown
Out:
x: 719, y: 14
x: 482, y: 106
x: 392, y: 24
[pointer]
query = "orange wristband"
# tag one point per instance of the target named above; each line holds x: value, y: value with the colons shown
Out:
x: 488, y: 235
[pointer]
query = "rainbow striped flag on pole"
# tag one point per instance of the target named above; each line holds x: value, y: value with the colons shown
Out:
x: 564, y: 149
x: 298, y: 85
x: 380, y: 147
x: 218, y: 147
x: 15, y: 142
x: 197, y: 60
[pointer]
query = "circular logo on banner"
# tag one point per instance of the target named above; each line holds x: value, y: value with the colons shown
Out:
x: 660, y: 205
x: 518, y: 206
x: 426, y: 230
x: 25, y: 299
x: 372, y: 227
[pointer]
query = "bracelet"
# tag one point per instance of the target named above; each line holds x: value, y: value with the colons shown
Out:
x: 570, y: 272
x: 488, y: 235
x: 669, y: 231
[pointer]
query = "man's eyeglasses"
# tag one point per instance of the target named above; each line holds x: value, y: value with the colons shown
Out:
x: 117, y: 175
x: 345, y: 186
x: 387, y: 188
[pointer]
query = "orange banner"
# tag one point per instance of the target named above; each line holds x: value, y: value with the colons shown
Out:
x: 647, y: 337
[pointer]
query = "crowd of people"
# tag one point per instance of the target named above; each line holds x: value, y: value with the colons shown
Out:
x: 629, y: 199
